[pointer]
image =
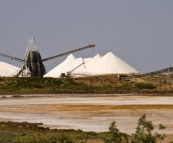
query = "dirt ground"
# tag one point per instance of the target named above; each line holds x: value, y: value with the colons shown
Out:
x: 89, y: 112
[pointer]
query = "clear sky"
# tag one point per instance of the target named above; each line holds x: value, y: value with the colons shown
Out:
x: 138, y: 31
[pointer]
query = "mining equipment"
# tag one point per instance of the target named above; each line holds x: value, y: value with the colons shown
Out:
x: 32, y: 64
x: 69, y: 72
x: 166, y: 71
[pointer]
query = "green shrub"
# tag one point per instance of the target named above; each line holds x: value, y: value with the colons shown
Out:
x: 145, y: 85
x: 115, y: 136
x: 145, y: 132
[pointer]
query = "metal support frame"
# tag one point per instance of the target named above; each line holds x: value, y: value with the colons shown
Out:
x: 31, y: 47
x: 70, y: 72
x: 24, y: 71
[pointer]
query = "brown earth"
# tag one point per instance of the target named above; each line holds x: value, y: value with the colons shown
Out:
x: 90, y: 112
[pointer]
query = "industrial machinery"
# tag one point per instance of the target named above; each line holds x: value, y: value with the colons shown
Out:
x: 69, y: 73
x: 158, y: 72
x: 32, y: 64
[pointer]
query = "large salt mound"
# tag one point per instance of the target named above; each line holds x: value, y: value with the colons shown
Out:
x: 55, y: 72
x: 87, y: 60
x: 74, y: 64
x: 87, y: 65
x: 110, y: 64
x: 7, y: 70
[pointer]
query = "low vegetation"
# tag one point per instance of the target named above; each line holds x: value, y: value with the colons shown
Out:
x: 145, y: 85
x: 13, y: 132
x: 100, y: 84
x: 144, y: 133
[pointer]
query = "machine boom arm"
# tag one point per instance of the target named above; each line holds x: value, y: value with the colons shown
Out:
x: 72, y: 51
x: 56, y: 56
x: 13, y: 58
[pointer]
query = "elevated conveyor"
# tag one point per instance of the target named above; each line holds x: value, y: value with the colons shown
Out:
x: 32, y: 62
x: 166, y: 70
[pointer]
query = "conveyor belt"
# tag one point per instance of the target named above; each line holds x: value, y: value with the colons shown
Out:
x: 69, y: 52
x: 170, y: 69
x: 56, y: 56
x: 11, y: 57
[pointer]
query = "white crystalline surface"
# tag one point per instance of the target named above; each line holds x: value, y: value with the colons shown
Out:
x: 87, y: 65
x: 7, y: 70
x: 86, y: 60
x: 56, y: 71
x: 74, y: 64
x: 108, y: 64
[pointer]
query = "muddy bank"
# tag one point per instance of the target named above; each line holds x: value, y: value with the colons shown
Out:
x: 89, y: 112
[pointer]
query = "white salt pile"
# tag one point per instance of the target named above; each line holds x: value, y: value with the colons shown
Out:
x: 7, y: 70
x: 108, y: 64
x: 81, y: 70
x: 74, y: 65
x: 56, y: 71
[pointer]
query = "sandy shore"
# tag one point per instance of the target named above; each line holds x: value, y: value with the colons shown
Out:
x: 89, y: 112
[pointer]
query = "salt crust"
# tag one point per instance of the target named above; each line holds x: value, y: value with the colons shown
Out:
x: 108, y: 64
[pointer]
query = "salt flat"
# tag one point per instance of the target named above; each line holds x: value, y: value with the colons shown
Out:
x: 106, y: 100
x: 89, y: 112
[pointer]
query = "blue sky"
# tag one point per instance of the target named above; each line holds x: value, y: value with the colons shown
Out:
x: 139, y: 32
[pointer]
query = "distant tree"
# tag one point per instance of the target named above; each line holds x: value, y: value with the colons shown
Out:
x: 115, y: 136
x: 144, y: 132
